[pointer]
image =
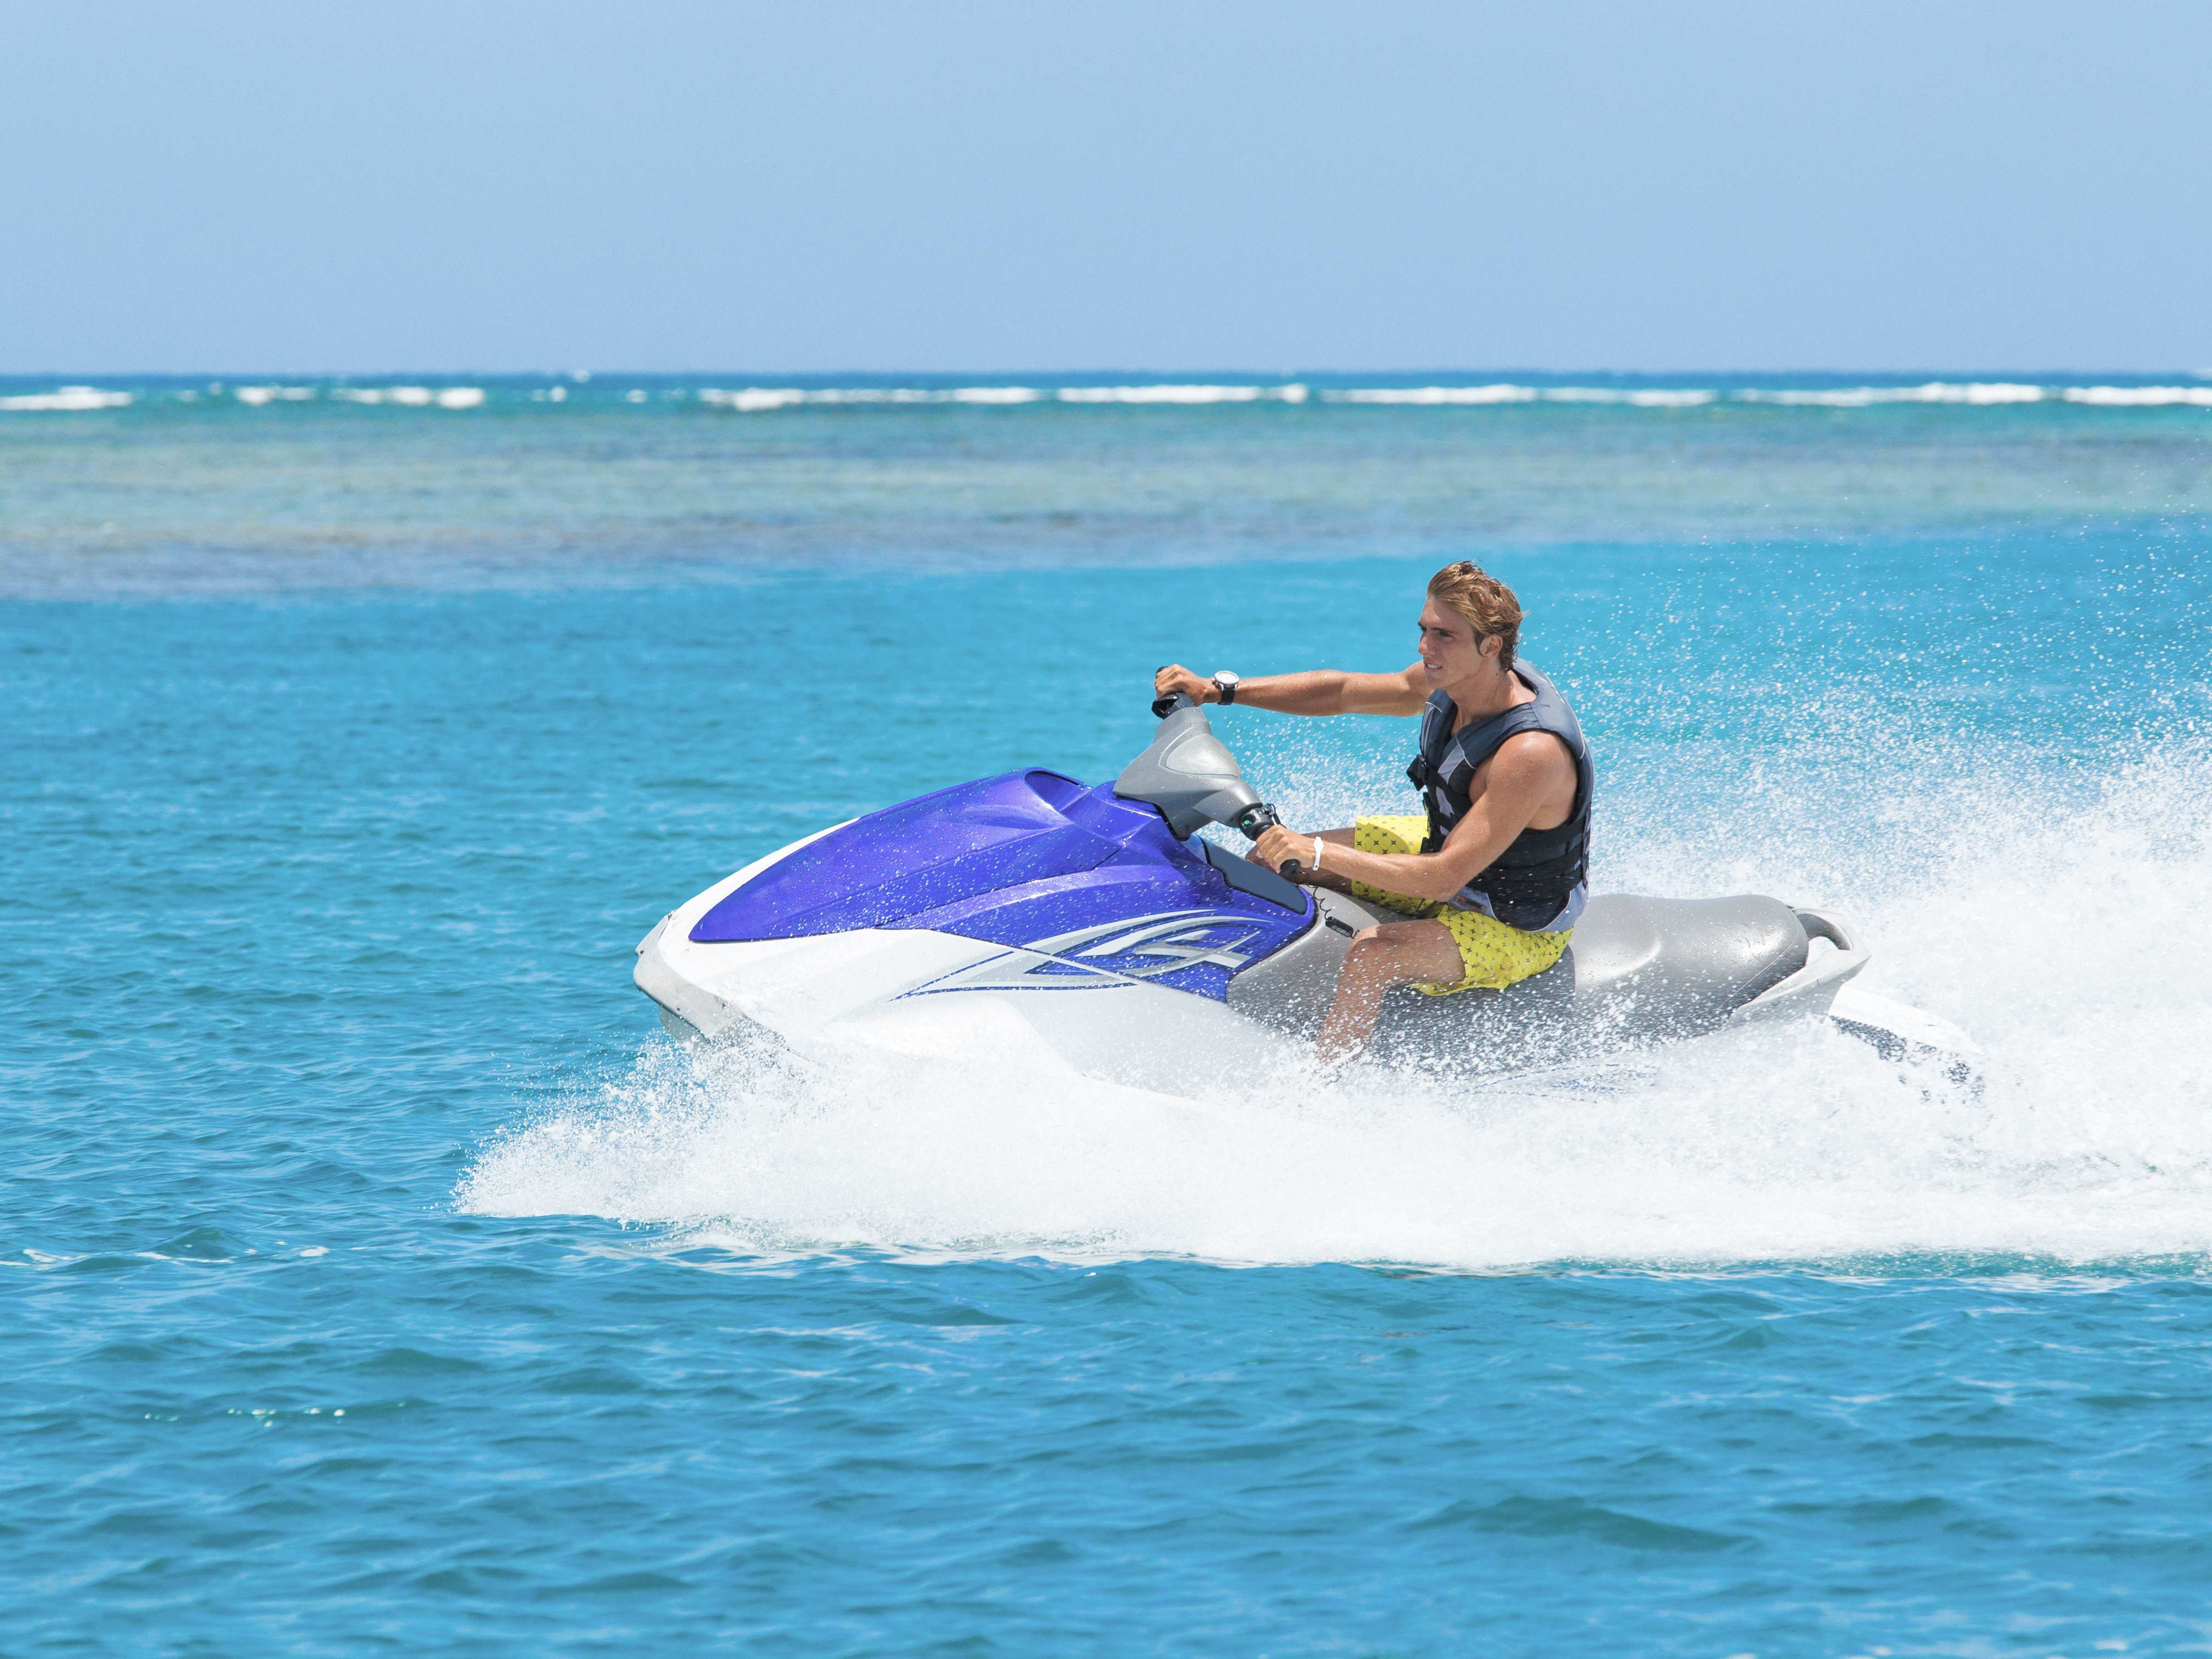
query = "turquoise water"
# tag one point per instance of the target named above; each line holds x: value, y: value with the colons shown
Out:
x: 380, y: 1278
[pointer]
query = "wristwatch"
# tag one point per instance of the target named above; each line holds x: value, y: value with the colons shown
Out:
x: 1225, y: 682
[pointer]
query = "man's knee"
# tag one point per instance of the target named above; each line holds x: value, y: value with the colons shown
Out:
x: 1376, y: 954
x: 1403, y: 953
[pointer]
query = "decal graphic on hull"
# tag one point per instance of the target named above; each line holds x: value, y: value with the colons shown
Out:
x: 1118, y: 953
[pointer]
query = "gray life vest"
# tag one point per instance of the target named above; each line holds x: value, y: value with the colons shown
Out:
x: 1533, y: 880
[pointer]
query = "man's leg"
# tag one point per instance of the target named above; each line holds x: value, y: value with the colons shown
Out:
x: 1378, y: 960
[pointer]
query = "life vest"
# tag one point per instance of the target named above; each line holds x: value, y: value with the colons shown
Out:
x: 1542, y: 871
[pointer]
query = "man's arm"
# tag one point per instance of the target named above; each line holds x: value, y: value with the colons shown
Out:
x: 1527, y: 771
x: 1322, y: 691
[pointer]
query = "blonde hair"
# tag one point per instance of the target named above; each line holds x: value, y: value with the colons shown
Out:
x: 1487, y: 603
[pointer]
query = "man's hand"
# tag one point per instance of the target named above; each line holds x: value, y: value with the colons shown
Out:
x: 1176, y: 677
x: 1278, y: 846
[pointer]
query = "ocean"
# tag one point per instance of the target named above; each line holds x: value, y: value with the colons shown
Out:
x: 381, y: 1278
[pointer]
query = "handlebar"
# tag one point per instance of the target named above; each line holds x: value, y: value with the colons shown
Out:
x: 1252, y: 822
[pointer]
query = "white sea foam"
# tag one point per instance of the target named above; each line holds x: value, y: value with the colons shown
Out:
x: 412, y: 396
x: 1935, y: 391
x: 1181, y: 394
x: 758, y: 399
x: 762, y: 399
x: 997, y: 394
x: 871, y: 394
x: 66, y: 400
x: 2074, y: 943
x: 753, y: 398
x: 1966, y: 393
x: 1690, y: 397
x: 2139, y: 397
x: 1433, y: 396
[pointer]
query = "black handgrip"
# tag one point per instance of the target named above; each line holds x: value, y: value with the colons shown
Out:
x: 1163, y: 707
x: 1256, y: 821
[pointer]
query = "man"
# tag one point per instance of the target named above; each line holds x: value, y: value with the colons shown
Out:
x: 1493, y: 881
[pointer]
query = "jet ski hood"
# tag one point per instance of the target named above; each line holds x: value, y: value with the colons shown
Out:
x: 1028, y: 859
x: 920, y: 856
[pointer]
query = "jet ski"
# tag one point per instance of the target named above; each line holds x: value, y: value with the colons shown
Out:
x: 1093, y: 926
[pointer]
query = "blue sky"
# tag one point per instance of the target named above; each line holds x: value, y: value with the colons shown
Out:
x: 983, y: 186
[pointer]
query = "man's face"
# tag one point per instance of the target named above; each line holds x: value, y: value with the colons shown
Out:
x: 1450, y: 654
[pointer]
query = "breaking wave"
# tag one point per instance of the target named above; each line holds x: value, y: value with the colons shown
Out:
x: 768, y: 399
x: 1970, y: 393
x: 67, y: 400
x: 750, y: 400
x: 2139, y: 397
x: 412, y: 396
x: 2072, y: 936
x: 1935, y: 391
x: 1439, y: 397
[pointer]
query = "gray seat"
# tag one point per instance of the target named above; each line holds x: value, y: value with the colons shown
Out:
x: 1690, y: 960
x: 1640, y: 969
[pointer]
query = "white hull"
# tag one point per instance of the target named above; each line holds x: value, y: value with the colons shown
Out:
x: 887, y: 988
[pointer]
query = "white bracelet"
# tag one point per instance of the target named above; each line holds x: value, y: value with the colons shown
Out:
x: 1316, y: 852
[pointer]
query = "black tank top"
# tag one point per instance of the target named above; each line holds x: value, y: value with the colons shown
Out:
x: 1534, y: 879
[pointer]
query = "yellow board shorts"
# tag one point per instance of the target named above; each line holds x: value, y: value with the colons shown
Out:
x: 1494, y: 955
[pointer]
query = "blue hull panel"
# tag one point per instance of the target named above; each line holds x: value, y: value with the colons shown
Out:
x: 1027, y: 859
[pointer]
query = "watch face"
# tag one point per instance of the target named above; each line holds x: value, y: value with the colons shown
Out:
x: 1228, y: 676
